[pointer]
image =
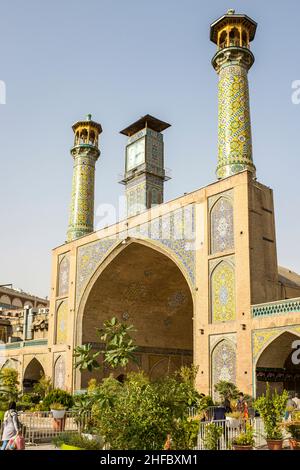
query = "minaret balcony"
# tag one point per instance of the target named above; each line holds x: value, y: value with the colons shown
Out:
x: 233, y: 43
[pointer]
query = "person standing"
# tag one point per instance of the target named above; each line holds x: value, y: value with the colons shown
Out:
x: 240, y: 403
x: 245, y: 410
x: 290, y: 407
x: 11, y: 425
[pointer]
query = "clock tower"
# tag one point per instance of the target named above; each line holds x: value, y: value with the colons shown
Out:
x: 144, y: 164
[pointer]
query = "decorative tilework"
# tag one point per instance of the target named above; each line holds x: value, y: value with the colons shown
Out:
x: 176, y: 299
x: 63, y: 274
x: 281, y: 307
x: 217, y: 338
x: 180, y: 227
x: 145, y: 187
x: 260, y: 338
x: 223, y: 364
x: 81, y: 219
x: 234, y: 135
x: 90, y: 256
x: 61, y: 322
x: 185, y: 253
x: 60, y: 373
x: 221, y: 221
x: 223, y: 293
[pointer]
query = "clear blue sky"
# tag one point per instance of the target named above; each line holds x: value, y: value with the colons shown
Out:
x: 120, y: 59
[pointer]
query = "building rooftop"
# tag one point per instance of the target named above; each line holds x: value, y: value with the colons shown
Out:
x: 231, y: 18
x: 145, y: 121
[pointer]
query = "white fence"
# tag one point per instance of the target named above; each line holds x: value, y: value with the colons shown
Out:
x: 41, y: 426
x: 230, y: 431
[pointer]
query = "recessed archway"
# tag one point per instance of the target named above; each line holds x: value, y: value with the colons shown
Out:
x: 144, y: 287
x: 276, y: 365
x: 33, y: 372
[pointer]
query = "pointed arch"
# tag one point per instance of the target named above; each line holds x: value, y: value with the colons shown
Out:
x: 223, y: 363
x: 222, y: 281
x: 271, y: 340
x: 221, y: 225
x: 275, y: 363
x: 59, y: 372
x: 142, y: 283
x: 112, y: 253
x: 63, y: 275
x: 32, y: 374
x: 10, y: 363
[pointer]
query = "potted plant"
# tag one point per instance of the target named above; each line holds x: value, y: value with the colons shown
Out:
x: 271, y: 408
x: 58, y: 412
x: 293, y: 428
x: 245, y: 440
x: 234, y: 419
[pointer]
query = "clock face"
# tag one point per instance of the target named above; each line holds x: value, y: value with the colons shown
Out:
x: 135, y: 154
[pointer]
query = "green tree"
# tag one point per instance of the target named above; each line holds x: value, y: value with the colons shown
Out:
x: 58, y: 396
x: 119, y: 346
x: 9, y: 383
x: 227, y: 390
x: 138, y: 414
x: 43, y: 386
x: 85, y: 359
x: 271, y: 408
x: 213, y: 433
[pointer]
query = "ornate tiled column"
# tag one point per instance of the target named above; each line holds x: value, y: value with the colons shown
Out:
x: 85, y: 154
x: 232, y: 33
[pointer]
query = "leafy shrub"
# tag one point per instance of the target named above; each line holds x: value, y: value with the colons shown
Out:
x: 294, y: 430
x: 9, y: 383
x: 77, y: 440
x: 227, y: 390
x: 30, y: 398
x: 138, y: 414
x: 246, y: 438
x: 58, y: 396
x: 43, y: 386
x: 204, y: 402
x: 3, y: 404
x: 57, y: 406
x: 271, y: 408
x: 38, y: 407
x: 213, y: 432
x: 21, y: 406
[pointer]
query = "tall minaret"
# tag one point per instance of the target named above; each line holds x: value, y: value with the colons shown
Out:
x: 232, y: 33
x: 85, y: 153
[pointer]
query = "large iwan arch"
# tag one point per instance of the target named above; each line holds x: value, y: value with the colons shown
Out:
x: 276, y: 364
x: 140, y: 285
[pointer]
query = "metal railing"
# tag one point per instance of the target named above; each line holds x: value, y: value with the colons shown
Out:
x: 230, y: 430
x: 40, y: 426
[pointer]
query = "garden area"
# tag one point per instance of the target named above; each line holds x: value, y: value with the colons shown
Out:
x: 137, y: 413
